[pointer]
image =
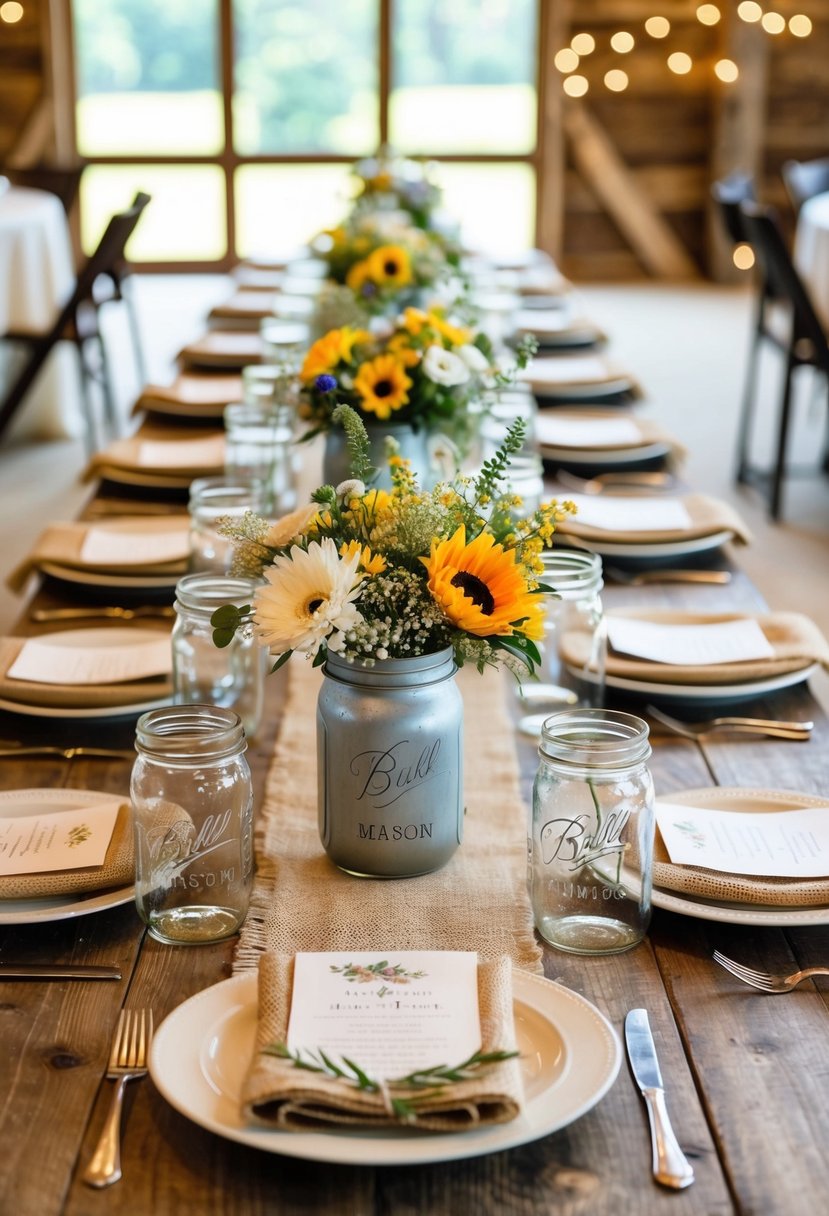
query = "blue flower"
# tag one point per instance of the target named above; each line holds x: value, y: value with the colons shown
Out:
x: 325, y: 384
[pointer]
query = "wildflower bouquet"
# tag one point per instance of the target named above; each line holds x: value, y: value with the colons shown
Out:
x: 386, y: 183
x: 369, y: 574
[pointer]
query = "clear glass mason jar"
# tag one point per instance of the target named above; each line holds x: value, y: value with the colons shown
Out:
x: 231, y: 676
x: 590, y: 847
x: 193, y: 813
x: 259, y: 447
x: 575, y: 631
x: 213, y: 499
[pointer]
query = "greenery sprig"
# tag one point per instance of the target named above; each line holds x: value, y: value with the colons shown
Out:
x: 426, y: 1082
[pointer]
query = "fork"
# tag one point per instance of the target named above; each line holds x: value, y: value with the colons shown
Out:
x: 719, y: 577
x: 751, y: 726
x: 127, y: 1062
x: 121, y: 614
x: 762, y: 979
x: 603, y: 482
x: 13, y: 747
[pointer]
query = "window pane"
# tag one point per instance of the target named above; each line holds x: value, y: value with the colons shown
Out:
x: 183, y: 222
x: 495, y: 205
x: 147, y: 77
x: 279, y: 207
x: 463, y: 76
x: 306, y: 76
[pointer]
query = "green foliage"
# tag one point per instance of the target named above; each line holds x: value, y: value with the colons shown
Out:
x: 356, y: 438
x: 226, y: 620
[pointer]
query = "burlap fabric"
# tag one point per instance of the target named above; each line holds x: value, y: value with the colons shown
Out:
x: 278, y: 1094
x: 125, y: 455
x: 707, y: 516
x: 222, y: 348
x: 739, y: 888
x: 196, y: 391
x: 76, y: 696
x: 795, y: 639
x: 118, y: 869
x: 63, y: 542
x: 478, y: 901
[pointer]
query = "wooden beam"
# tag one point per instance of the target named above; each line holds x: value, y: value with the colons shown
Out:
x: 651, y: 238
x: 553, y: 33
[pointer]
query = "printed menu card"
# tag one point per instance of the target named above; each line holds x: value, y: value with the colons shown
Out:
x: 630, y: 514
x: 105, y: 546
x: 390, y: 1011
x: 689, y: 645
x: 57, y: 840
x: 47, y: 661
x: 769, y: 844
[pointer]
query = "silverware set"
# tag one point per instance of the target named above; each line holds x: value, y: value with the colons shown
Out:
x: 128, y: 1061
x: 768, y: 727
x: 764, y: 980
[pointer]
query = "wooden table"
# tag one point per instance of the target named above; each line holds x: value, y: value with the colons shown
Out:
x: 746, y: 1073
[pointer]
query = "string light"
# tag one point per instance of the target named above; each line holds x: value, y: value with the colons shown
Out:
x: 658, y: 27
x: 743, y: 257
x: 726, y: 70
x: 800, y: 25
x: 11, y: 12
x: 566, y: 60
x: 749, y: 11
x: 708, y: 14
x: 583, y: 44
x: 575, y: 86
x: 622, y: 42
x: 773, y: 23
x: 680, y: 63
x: 616, y: 80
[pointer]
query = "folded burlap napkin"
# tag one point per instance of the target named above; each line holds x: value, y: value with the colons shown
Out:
x: 255, y: 304
x: 192, y: 390
x: 62, y: 543
x: 280, y: 1095
x: 76, y: 696
x: 708, y: 516
x: 190, y: 456
x: 736, y: 888
x: 222, y: 348
x: 796, y: 640
x: 648, y: 431
x: 118, y: 869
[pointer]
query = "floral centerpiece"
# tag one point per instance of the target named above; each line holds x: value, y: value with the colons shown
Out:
x: 389, y: 183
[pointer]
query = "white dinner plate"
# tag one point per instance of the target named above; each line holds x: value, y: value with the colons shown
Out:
x: 96, y: 711
x: 570, y: 1058
x: 604, y: 456
x: 154, y: 481
x: 579, y: 392
x: 100, y: 578
x: 704, y: 694
x: 742, y: 914
x: 654, y: 551
x: 195, y: 411
x: 55, y: 907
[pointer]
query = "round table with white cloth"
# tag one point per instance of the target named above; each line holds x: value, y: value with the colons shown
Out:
x: 811, y: 251
x: 36, y: 279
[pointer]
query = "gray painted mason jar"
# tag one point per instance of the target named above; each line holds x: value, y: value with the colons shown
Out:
x: 390, y: 764
x: 413, y: 444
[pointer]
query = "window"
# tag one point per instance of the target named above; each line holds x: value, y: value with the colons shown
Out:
x: 241, y: 117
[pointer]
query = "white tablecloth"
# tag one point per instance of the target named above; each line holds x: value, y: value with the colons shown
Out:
x: 36, y: 278
x: 811, y: 251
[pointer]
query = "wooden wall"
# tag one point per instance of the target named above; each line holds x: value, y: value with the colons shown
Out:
x: 22, y: 73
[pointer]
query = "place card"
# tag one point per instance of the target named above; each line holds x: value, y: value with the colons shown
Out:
x: 182, y: 453
x: 103, y: 546
x: 689, y: 645
x: 627, y: 513
x: 586, y: 432
x: 543, y: 320
x: 45, y: 661
x: 582, y: 370
x: 389, y: 1011
x: 773, y: 844
x: 57, y: 840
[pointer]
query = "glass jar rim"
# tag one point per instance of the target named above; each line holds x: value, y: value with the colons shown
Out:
x: 205, y: 592
x: 595, y: 738
x: 572, y: 572
x: 190, y: 733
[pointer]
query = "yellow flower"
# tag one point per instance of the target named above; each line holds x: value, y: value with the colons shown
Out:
x: 481, y: 588
x: 383, y: 386
x: 371, y: 563
x: 359, y: 274
x: 398, y: 345
x: 455, y: 334
x: 381, y: 181
x: 390, y: 266
x: 332, y: 348
x: 414, y: 320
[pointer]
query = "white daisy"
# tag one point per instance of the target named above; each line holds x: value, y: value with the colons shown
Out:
x: 282, y: 531
x: 474, y: 358
x: 308, y: 596
x: 442, y: 367
x: 353, y: 488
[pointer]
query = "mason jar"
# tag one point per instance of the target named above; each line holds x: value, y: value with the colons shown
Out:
x: 213, y: 500
x: 231, y: 676
x: 390, y: 764
x: 259, y: 447
x: 590, y: 847
x: 192, y: 808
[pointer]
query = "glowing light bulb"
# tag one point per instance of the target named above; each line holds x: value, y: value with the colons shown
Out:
x: 773, y: 23
x: 583, y: 44
x: 680, y: 63
x: 726, y: 70
x: 749, y: 11
x: 800, y: 25
x: 566, y: 60
x: 575, y: 86
x: 622, y: 42
x: 658, y: 27
x: 11, y: 12
x: 743, y: 257
x: 616, y: 80
x: 708, y: 14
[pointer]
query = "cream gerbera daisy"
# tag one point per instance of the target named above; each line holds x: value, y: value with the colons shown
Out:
x: 282, y: 531
x: 308, y: 598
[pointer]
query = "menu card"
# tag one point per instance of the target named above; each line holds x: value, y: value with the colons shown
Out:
x: 624, y: 513
x: 182, y: 453
x: 389, y: 1011
x: 586, y: 432
x: 57, y: 840
x: 46, y: 662
x: 773, y: 844
x: 543, y: 320
x: 102, y: 546
x: 572, y: 370
x: 689, y: 645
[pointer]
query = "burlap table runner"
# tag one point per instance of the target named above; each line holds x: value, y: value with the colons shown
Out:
x: 707, y: 515
x: 280, y: 1095
x: 125, y: 455
x: 62, y: 543
x: 478, y: 901
x: 118, y: 869
x: 76, y: 696
x: 794, y: 638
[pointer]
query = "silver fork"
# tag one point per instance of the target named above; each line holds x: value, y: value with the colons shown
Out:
x: 604, y: 482
x: 117, y: 613
x: 629, y: 579
x: 127, y: 1062
x: 12, y: 747
x: 762, y: 979
x: 750, y: 726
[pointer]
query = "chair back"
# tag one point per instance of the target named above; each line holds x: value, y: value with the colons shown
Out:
x: 61, y: 180
x: 780, y: 273
x: 109, y: 253
x: 728, y: 193
x: 804, y: 179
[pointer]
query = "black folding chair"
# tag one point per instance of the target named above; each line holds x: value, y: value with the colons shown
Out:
x: 804, y: 179
x: 77, y: 322
x: 806, y: 344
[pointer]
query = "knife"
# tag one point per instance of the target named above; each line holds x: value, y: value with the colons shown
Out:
x: 670, y: 1165
x: 58, y: 971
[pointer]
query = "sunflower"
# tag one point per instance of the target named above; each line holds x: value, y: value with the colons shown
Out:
x: 390, y: 266
x: 481, y: 588
x: 358, y: 276
x: 332, y: 348
x: 456, y: 334
x: 383, y: 386
x: 308, y: 594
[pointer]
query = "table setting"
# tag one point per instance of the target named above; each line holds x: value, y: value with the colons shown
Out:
x: 451, y: 862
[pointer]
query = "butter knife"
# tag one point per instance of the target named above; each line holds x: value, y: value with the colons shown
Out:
x: 57, y: 971
x: 670, y: 1166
